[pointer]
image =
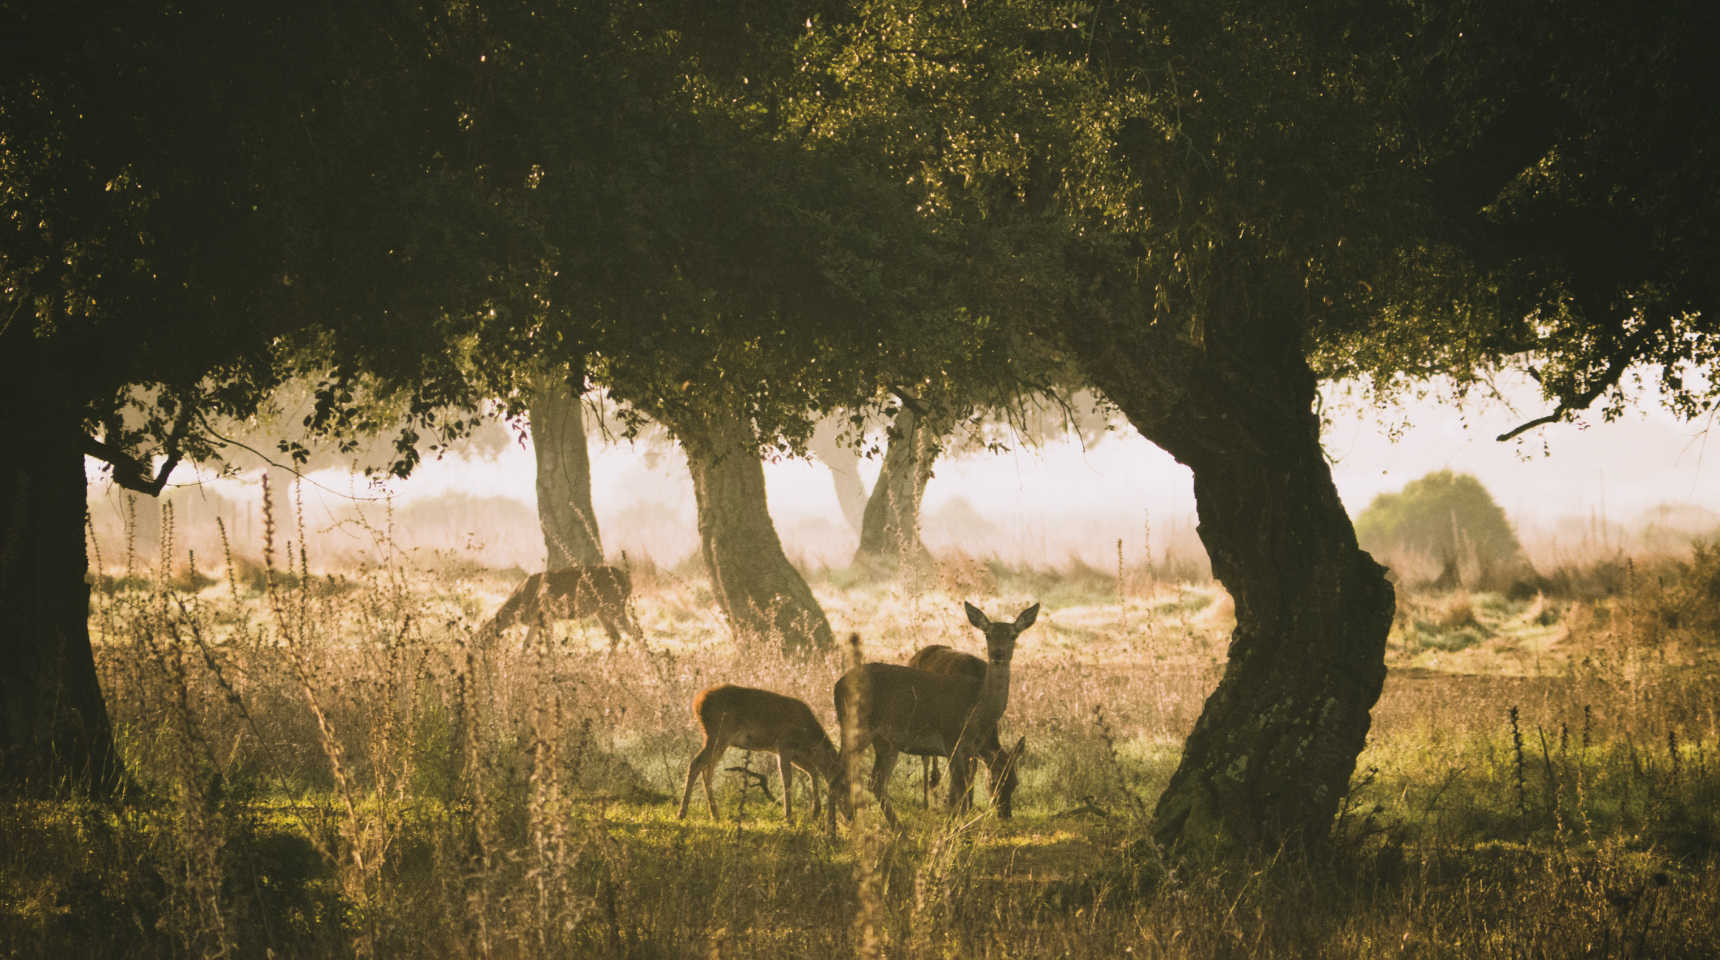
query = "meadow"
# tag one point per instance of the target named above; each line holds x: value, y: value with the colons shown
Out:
x: 332, y: 763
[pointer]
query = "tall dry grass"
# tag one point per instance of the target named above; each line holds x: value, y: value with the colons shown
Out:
x: 333, y: 765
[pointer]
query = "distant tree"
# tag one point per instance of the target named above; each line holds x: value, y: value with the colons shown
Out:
x: 732, y: 282
x: 890, y: 525
x: 557, y: 420
x: 986, y: 414
x: 1452, y: 519
x: 843, y: 460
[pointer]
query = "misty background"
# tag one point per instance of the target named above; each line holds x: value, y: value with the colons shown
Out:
x: 1639, y: 484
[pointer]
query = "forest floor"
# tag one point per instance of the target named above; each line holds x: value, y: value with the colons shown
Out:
x: 336, y: 766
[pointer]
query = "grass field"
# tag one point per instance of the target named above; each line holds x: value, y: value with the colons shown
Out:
x: 333, y: 766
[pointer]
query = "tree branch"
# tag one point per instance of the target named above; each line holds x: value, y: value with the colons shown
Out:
x: 132, y: 473
x: 910, y: 401
x: 128, y: 471
x: 1616, y: 366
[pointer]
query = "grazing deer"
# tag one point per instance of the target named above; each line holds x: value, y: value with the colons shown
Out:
x: 896, y: 709
x: 1000, y: 764
x: 591, y: 590
x: 760, y: 720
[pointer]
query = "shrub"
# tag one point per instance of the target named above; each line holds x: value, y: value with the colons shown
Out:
x: 1452, y: 519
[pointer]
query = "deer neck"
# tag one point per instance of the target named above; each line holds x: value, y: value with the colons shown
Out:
x: 993, y: 696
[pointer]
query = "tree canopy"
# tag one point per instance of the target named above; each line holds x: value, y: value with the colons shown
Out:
x: 739, y: 215
x: 183, y: 231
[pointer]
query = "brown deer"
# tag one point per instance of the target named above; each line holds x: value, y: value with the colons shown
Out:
x: 591, y: 590
x: 760, y: 720
x: 896, y: 709
x: 1001, y: 764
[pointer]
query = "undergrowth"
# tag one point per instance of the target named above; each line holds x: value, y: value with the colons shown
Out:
x: 333, y: 767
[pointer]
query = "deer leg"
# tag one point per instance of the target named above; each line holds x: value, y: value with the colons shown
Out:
x: 710, y: 777
x: 609, y: 628
x: 847, y: 767
x: 702, y: 763
x: 795, y: 757
x: 786, y: 767
x: 883, y: 764
x: 961, y: 781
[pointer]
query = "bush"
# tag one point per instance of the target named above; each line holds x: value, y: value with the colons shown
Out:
x: 1452, y: 520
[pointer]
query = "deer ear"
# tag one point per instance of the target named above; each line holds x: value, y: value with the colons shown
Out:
x: 975, y: 617
x: 1027, y: 617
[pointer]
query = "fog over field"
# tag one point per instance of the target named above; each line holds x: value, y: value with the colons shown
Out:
x: 1644, y: 481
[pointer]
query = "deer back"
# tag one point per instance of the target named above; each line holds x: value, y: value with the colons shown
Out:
x: 911, y: 709
x: 587, y: 590
x: 938, y: 658
x: 754, y: 719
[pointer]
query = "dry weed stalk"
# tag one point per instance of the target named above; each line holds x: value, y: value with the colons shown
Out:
x: 868, y: 873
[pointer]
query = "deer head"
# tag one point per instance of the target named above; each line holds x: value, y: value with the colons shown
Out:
x: 1000, y: 637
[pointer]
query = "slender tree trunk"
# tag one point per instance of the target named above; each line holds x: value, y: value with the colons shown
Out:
x: 760, y: 592
x: 1273, y: 751
x: 844, y: 463
x: 569, y: 525
x: 54, y: 728
x: 891, y: 529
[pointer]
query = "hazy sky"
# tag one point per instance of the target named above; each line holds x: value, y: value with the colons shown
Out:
x: 1062, y: 500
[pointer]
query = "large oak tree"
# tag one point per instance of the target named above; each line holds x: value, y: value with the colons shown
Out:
x: 196, y: 200
x: 1211, y: 206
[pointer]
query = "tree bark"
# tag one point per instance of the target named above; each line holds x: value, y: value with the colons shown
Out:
x: 844, y: 463
x: 54, y: 729
x: 759, y: 591
x: 1231, y: 395
x: 570, y: 536
x: 890, y: 531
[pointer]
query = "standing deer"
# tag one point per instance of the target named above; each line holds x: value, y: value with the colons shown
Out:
x: 591, y: 590
x: 1000, y: 764
x: 896, y: 709
x: 760, y: 720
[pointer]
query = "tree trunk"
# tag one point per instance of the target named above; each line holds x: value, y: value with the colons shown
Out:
x: 891, y: 530
x: 844, y: 463
x: 759, y: 591
x: 1232, y: 397
x: 54, y: 729
x: 569, y: 525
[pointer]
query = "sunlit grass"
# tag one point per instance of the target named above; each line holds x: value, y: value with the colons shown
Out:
x: 506, y: 800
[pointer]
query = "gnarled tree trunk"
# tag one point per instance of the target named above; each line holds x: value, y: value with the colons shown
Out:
x: 891, y: 530
x: 569, y: 525
x: 1232, y: 396
x: 760, y: 592
x: 54, y: 727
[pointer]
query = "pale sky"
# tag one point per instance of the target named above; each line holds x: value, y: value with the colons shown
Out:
x: 1046, y: 505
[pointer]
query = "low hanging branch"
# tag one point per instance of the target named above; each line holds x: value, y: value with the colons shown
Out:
x: 132, y: 473
x: 1616, y: 366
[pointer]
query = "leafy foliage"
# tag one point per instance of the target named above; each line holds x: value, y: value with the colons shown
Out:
x: 183, y: 231
x: 1568, y: 207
